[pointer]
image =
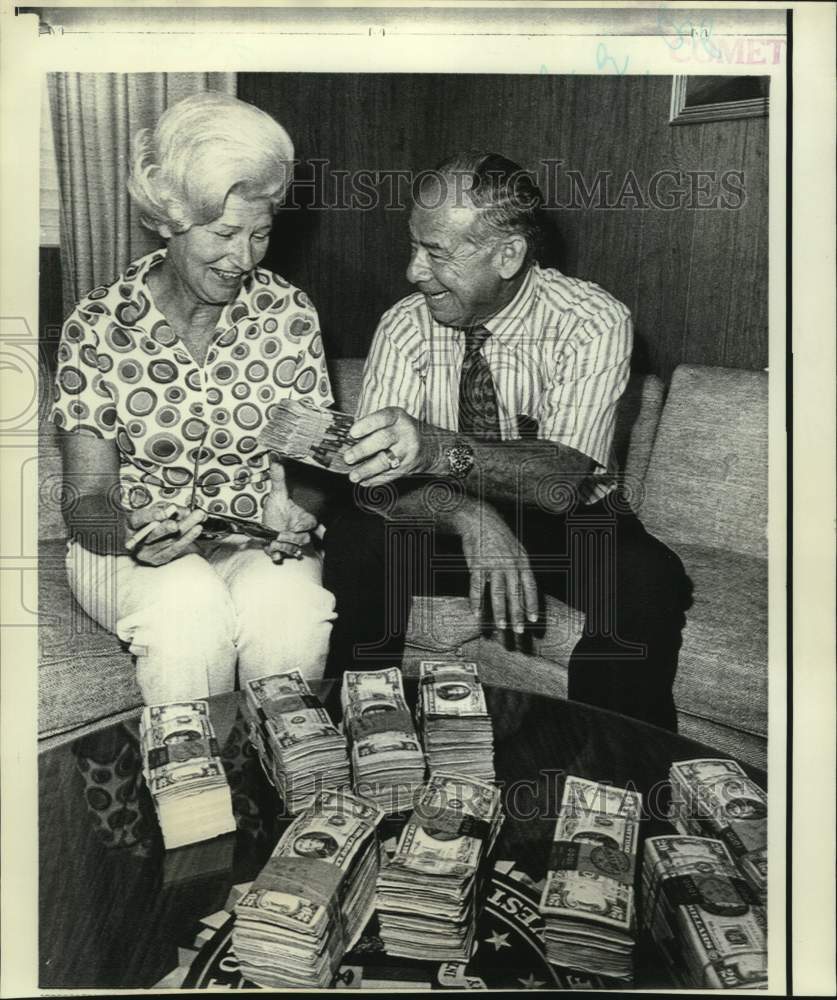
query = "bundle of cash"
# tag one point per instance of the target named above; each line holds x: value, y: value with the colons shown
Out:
x: 300, y: 748
x: 182, y: 767
x: 588, y: 901
x: 387, y: 759
x: 453, y: 719
x: 310, y: 434
x: 428, y: 894
x: 314, y: 896
x: 715, y: 798
x: 702, y: 915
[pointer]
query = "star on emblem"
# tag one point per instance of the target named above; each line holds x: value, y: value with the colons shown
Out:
x: 498, y: 940
x: 531, y: 983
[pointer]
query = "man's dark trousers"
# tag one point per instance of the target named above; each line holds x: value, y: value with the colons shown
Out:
x: 599, y: 558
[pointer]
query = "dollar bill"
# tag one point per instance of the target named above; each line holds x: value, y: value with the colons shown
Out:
x: 453, y: 717
x: 426, y: 894
x: 312, y: 899
x: 715, y: 798
x: 703, y: 914
x: 583, y: 796
x: 588, y: 899
x: 387, y: 757
x: 183, y: 771
x: 300, y: 748
x: 451, y: 689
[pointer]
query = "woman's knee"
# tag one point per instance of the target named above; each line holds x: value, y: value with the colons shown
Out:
x: 184, y: 601
x: 287, y: 629
x: 292, y: 604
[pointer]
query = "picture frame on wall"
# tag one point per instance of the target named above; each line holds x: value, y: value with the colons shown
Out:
x: 696, y: 99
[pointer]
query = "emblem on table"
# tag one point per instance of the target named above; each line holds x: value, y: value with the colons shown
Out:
x: 507, y: 953
x: 309, y: 434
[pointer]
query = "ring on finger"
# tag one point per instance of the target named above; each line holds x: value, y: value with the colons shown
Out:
x: 393, y: 461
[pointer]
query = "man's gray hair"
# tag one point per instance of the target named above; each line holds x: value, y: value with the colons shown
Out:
x: 508, y: 198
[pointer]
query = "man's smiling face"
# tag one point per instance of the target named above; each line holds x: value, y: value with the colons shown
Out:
x: 452, y: 261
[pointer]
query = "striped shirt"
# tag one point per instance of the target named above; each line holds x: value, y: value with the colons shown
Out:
x: 559, y: 353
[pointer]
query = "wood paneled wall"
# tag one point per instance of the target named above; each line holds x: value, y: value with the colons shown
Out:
x: 695, y: 279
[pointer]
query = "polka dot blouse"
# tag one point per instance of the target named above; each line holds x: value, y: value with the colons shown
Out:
x: 124, y: 375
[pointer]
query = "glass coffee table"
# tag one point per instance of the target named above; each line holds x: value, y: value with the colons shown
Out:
x: 117, y: 911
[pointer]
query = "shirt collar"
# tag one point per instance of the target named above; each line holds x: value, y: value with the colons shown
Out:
x: 505, y: 325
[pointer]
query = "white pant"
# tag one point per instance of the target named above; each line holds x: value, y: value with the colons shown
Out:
x: 187, y: 622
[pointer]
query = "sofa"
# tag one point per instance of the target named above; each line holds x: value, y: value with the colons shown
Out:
x: 696, y: 471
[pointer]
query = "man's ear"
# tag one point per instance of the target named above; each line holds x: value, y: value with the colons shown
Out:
x: 511, y: 255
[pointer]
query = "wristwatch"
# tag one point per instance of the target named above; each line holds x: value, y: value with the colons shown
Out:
x: 460, y: 457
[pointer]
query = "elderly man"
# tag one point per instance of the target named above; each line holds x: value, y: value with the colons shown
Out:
x: 499, y: 379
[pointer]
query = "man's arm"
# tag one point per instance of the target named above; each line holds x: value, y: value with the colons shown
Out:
x: 494, y: 555
x: 504, y: 471
x: 576, y: 415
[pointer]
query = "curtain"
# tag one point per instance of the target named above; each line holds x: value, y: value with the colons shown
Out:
x: 95, y: 117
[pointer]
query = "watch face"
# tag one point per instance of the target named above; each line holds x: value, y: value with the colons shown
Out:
x: 460, y: 460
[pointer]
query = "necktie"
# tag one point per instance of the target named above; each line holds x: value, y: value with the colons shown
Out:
x: 479, y: 415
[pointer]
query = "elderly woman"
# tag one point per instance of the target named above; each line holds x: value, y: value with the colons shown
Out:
x: 164, y: 380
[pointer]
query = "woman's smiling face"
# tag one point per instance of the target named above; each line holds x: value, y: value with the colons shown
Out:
x: 211, y: 260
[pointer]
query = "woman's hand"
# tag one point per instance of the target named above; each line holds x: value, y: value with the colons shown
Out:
x: 163, y: 532
x: 281, y: 514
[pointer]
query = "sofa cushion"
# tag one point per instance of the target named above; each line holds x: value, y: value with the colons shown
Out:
x: 722, y: 671
x: 707, y: 478
x: 441, y: 624
x: 637, y: 417
x: 85, y: 673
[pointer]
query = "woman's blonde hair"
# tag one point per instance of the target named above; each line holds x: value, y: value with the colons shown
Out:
x: 204, y: 147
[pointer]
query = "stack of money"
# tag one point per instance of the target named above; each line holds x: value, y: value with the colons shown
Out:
x: 311, y: 435
x: 428, y: 894
x: 715, y: 798
x: 183, y: 770
x: 703, y: 916
x: 588, y: 901
x: 300, y: 748
x: 313, y: 898
x: 387, y: 758
x: 454, y: 721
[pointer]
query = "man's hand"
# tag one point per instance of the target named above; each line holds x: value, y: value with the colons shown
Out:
x: 390, y: 444
x: 496, y: 557
x: 283, y: 515
x: 163, y: 532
